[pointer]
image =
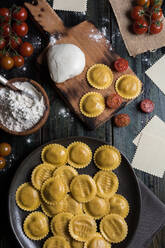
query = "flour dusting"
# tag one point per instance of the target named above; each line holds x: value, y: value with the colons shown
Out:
x: 18, y: 111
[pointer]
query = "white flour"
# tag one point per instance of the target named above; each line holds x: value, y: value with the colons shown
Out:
x: 18, y: 112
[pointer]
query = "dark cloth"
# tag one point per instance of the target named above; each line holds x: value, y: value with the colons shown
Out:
x: 152, y: 218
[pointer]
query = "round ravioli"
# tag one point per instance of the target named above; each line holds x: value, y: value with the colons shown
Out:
x: 67, y: 173
x: 119, y: 205
x: 76, y: 244
x: 97, y: 208
x: 71, y: 205
x: 59, y: 224
x: 56, y: 242
x: 79, y: 155
x: 97, y: 241
x: 53, y: 190
x: 92, y: 104
x: 27, y: 197
x: 114, y: 228
x: 128, y: 86
x: 52, y: 210
x: 81, y: 227
x: 107, y: 157
x: 107, y: 183
x: 54, y: 154
x: 100, y: 76
x: 36, y: 226
x: 40, y: 174
x: 83, y: 188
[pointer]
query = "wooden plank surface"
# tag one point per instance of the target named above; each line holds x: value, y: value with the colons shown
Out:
x: 62, y: 123
x: 97, y: 50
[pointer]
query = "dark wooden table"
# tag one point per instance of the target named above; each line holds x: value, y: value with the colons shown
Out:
x: 62, y: 123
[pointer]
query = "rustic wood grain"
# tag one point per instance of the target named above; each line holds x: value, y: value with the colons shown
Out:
x: 66, y: 125
x: 96, y: 51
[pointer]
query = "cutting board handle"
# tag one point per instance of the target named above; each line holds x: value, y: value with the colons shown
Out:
x: 45, y: 16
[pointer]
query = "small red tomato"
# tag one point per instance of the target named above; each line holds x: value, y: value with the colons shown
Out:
x: 114, y: 101
x: 18, y: 60
x: 15, y: 42
x: 7, y: 62
x: 5, y: 149
x: 156, y: 27
x: 156, y: 2
x: 4, y: 15
x: 122, y: 120
x: 144, y: 3
x: 26, y: 49
x: 2, y: 43
x: 140, y: 26
x: 147, y: 106
x: 2, y: 162
x: 20, y: 13
x: 21, y: 29
x: 5, y: 29
x: 137, y: 12
x: 121, y: 65
x: 157, y: 13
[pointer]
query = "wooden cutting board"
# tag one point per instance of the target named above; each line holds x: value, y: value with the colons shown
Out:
x: 97, y: 49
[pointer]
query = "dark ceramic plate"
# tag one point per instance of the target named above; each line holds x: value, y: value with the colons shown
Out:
x: 128, y: 187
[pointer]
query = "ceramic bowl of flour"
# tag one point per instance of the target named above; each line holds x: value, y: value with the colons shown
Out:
x: 20, y: 114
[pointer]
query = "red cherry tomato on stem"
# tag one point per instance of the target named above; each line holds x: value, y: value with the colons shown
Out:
x: 21, y: 29
x: 26, y: 49
x: 157, y: 13
x: 2, y: 162
x: 5, y: 29
x: 140, y: 26
x: 7, y: 62
x: 15, y: 42
x: 121, y: 65
x: 18, y: 60
x: 156, y: 27
x: 20, y: 13
x: 2, y: 43
x: 156, y: 2
x: 137, y: 13
x: 4, y: 15
x: 143, y: 3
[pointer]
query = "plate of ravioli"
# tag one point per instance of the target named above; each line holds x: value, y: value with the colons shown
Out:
x: 76, y: 192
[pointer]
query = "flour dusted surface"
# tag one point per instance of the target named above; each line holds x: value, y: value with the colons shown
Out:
x: 18, y: 112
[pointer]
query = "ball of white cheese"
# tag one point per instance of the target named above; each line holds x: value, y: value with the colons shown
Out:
x: 65, y: 61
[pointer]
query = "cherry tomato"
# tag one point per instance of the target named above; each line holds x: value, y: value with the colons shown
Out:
x: 4, y: 15
x: 21, y: 29
x: 2, y: 43
x: 2, y: 162
x: 15, y: 42
x: 140, y: 26
x: 137, y: 13
x: 121, y: 65
x: 5, y: 149
x: 7, y: 62
x: 156, y: 27
x: 26, y: 49
x: 18, y: 60
x: 143, y: 3
x: 5, y: 29
x: 20, y: 13
x: 122, y: 120
x: 157, y: 13
x: 147, y: 106
x: 114, y: 101
x: 156, y: 2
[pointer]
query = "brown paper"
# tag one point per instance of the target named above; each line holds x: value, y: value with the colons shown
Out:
x: 136, y: 44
